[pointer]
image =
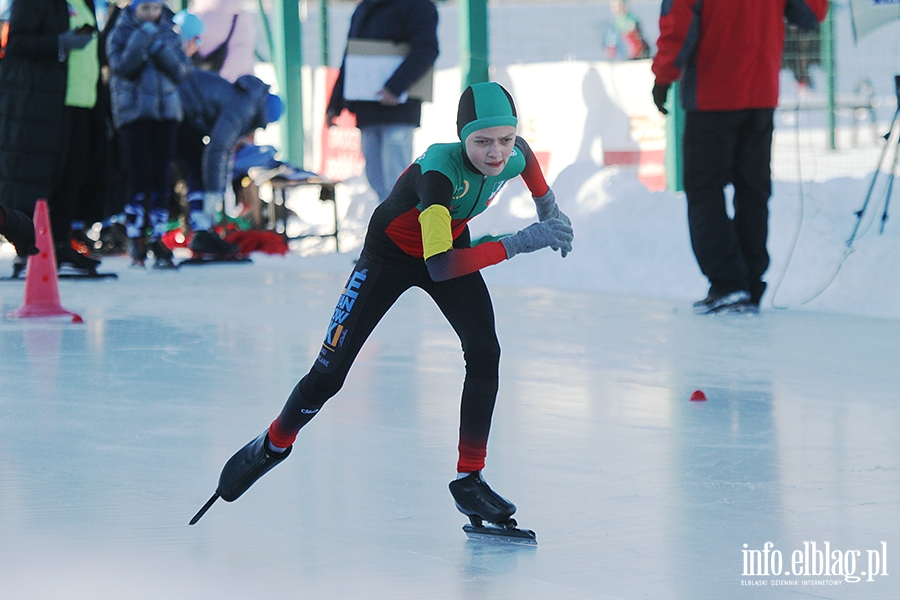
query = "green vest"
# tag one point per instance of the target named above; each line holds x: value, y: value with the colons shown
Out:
x: 84, y: 64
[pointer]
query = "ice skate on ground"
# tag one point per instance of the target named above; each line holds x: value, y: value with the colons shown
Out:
x: 475, y: 499
x: 243, y: 470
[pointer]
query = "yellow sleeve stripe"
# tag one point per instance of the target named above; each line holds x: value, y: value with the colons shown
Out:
x: 437, y: 236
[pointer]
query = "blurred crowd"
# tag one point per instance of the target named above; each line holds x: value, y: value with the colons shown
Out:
x: 125, y: 117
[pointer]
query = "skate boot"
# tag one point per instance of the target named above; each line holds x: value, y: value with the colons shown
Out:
x: 242, y: 470
x: 70, y: 261
x: 206, y: 244
x: 475, y: 499
x: 247, y: 465
x: 19, y: 265
x: 162, y: 256
x: 722, y: 303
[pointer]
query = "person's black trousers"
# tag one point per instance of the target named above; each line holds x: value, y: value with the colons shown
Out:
x: 721, y: 148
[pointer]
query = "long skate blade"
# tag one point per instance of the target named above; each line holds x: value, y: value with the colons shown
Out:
x: 501, y: 534
x: 205, y: 508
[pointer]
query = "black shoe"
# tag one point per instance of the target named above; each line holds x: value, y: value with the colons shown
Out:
x: 756, y: 292
x: 207, y: 242
x: 162, y: 255
x: 716, y: 303
x: 747, y: 307
x: 249, y: 464
x: 69, y: 259
x: 474, y: 498
x: 19, y: 265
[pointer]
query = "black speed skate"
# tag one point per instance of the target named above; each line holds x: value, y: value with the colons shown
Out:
x: 475, y: 499
x: 242, y: 470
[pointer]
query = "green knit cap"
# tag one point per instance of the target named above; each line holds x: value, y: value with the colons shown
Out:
x: 484, y: 105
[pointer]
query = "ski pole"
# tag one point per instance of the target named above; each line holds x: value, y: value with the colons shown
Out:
x: 890, y: 186
x: 862, y: 210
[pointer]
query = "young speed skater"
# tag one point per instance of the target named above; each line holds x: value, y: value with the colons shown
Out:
x: 419, y: 237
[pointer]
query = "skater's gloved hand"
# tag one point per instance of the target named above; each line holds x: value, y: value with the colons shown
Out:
x: 19, y: 230
x: 548, y: 209
x: 660, y: 93
x: 552, y: 233
x: 72, y: 40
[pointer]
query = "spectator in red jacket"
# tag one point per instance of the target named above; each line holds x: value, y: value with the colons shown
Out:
x: 727, y: 56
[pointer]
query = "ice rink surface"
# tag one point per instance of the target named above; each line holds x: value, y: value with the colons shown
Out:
x: 113, y: 433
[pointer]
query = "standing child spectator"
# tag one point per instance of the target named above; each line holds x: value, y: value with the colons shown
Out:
x: 147, y: 63
x: 624, y: 38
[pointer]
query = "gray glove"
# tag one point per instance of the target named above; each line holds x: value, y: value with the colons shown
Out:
x: 548, y: 209
x: 552, y: 233
x: 72, y: 40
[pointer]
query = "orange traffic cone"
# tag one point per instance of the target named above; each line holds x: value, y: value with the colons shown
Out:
x: 41, y: 289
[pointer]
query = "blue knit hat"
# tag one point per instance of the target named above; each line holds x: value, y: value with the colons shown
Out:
x: 135, y: 3
x: 274, y: 108
x: 189, y: 25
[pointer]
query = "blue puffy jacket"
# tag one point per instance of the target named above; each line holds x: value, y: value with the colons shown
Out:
x: 225, y: 112
x: 145, y: 69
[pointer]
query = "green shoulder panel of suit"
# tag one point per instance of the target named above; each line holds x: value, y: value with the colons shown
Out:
x: 472, y: 192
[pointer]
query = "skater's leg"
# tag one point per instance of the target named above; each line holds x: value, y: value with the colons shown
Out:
x: 371, y: 290
x: 466, y: 303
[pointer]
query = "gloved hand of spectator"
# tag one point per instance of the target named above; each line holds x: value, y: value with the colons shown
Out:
x: 150, y: 28
x: 72, y: 40
x: 156, y: 45
x: 19, y: 230
x: 552, y: 233
x: 548, y: 209
x: 660, y: 93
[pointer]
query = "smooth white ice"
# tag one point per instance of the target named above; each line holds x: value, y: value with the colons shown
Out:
x: 113, y: 433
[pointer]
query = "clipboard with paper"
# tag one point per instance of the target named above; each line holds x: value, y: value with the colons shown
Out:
x: 370, y: 63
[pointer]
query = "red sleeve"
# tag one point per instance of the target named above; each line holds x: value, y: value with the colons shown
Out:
x: 675, y: 22
x: 462, y: 261
x: 532, y: 175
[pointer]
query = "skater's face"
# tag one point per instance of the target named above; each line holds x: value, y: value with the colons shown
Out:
x: 489, y: 149
x: 148, y: 11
